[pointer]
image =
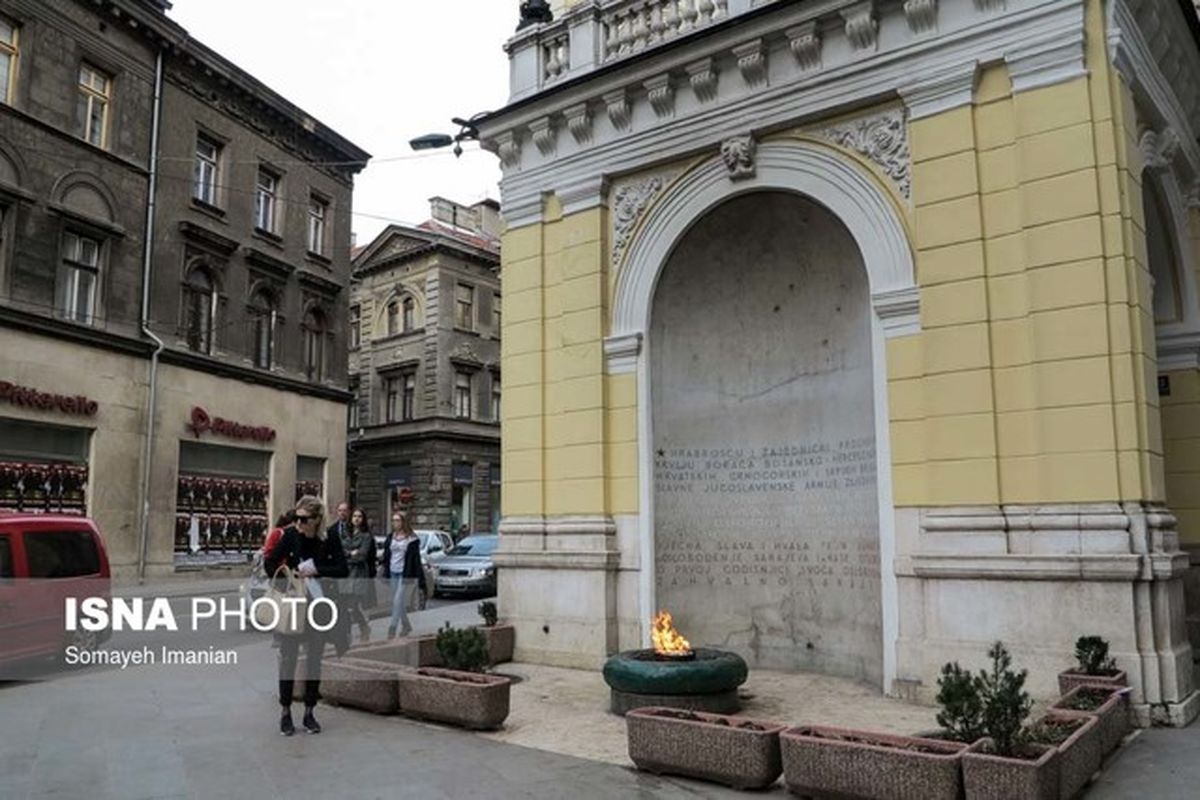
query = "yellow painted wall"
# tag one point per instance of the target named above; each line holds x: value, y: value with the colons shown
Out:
x: 1181, y: 434
x: 1033, y: 377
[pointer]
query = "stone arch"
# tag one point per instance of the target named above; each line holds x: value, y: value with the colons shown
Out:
x: 399, y: 296
x: 866, y: 209
x: 12, y: 166
x: 86, y: 195
x: 1176, y: 295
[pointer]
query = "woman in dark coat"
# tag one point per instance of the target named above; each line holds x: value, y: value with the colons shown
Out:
x: 358, y: 591
x: 302, y: 543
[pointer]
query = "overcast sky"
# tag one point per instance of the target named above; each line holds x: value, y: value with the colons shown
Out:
x: 379, y: 72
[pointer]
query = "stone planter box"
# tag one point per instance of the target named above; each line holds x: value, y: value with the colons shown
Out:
x: 1113, y: 713
x: 501, y: 639
x: 359, y: 683
x: 467, y: 699
x: 414, y: 651
x: 1080, y: 755
x: 1069, y: 679
x: 711, y: 747
x: 989, y: 777
x: 835, y: 762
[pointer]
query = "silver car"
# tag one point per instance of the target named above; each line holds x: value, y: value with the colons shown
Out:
x: 468, y: 568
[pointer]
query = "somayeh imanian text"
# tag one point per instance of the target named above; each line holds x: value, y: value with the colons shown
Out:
x: 146, y: 656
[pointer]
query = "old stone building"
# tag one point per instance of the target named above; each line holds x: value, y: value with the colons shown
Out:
x: 858, y: 334
x: 425, y: 370
x: 173, y: 296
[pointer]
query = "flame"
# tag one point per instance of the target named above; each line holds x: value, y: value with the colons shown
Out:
x: 666, y: 639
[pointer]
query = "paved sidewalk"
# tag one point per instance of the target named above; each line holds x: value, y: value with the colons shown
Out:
x: 1160, y: 763
x: 205, y: 732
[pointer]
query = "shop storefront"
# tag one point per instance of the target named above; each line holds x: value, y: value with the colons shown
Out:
x: 221, y: 504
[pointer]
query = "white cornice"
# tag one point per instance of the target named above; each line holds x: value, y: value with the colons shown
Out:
x: 942, y: 91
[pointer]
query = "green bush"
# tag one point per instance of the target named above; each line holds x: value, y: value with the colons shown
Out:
x: 463, y: 648
x: 1006, y: 704
x: 1092, y: 654
x: 962, y: 706
x: 992, y: 703
x: 487, y: 610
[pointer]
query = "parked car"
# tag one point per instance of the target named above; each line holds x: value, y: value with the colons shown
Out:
x: 435, y: 544
x: 45, y: 559
x: 468, y: 568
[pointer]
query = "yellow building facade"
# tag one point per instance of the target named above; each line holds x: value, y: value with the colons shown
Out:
x: 1020, y: 181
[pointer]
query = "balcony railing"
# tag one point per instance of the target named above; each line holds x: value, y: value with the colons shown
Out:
x: 598, y: 32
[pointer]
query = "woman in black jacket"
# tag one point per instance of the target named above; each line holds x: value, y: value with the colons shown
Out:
x: 306, y: 543
x: 402, y: 565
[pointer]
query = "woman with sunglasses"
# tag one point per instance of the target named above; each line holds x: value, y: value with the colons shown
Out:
x: 307, y: 550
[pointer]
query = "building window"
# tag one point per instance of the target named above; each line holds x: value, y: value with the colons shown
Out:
x: 464, y: 316
x: 391, y: 398
x: 409, y: 407
x: 263, y: 319
x: 496, y: 396
x: 266, y: 200
x: 318, y: 213
x: 8, y: 59
x: 354, y: 418
x: 355, y: 326
x: 496, y: 315
x: 462, y: 395
x: 314, y: 345
x: 95, y: 90
x: 208, y: 154
x: 410, y: 314
x: 199, y: 310
x: 80, y: 271
x: 393, y: 318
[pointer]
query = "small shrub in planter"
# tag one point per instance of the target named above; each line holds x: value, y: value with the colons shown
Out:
x: 1004, y: 765
x: 487, y: 610
x: 501, y: 639
x: 736, y: 751
x: 836, y: 762
x: 1094, y: 666
x: 463, y: 649
x: 958, y: 695
x: 467, y: 699
x: 1110, y: 705
x: 1080, y: 751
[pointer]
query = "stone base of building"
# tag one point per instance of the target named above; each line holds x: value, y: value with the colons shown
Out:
x: 1036, y: 578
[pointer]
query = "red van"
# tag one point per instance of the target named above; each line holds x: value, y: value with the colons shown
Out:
x: 44, y: 559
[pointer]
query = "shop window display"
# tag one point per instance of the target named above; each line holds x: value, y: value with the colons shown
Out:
x: 43, y: 487
x: 221, y: 513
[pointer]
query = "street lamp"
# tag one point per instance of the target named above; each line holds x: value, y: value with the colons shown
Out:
x: 466, y: 132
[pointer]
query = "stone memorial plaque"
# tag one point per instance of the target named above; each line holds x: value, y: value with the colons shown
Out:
x: 765, y: 507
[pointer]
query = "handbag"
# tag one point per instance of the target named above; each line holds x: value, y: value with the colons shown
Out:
x: 274, y: 615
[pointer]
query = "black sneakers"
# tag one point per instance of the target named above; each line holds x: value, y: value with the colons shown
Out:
x: 310, y: 722
x: 286, y: 728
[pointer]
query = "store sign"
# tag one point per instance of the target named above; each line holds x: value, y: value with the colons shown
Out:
x: 202, y: 423
x: 77, y: 405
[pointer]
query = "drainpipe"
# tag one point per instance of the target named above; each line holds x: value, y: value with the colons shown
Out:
x: 147, y: 263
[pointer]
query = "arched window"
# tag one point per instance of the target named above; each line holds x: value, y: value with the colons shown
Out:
x: 262, y: 321
x: 393, y: 318
x: 1161, y: 250
x: 410, y: 314
x: 199, y: 310
x: 314, y: 345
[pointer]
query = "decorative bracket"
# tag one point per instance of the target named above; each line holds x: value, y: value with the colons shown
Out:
x: 805, y: 43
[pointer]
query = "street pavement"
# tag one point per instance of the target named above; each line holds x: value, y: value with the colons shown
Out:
x: 205, y: 732
x: 1157, y: 764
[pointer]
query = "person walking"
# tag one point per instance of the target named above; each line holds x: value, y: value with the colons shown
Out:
x: 341, y: 523
x: 402, y: 566
x: 358, y: 591
x: 307, y: 550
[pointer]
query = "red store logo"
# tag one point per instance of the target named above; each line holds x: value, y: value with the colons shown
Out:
x: 45, y: 401
x: 201, y: 423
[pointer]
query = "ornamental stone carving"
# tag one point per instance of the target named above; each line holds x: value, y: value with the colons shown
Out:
x: 805, y: 43
x: 882, y: 138
x: 752, y: 61
x: 703, y: 78
x: 617, y: 105
x: 661, y: 95
x: 921, y: 15
x: 545, y: 135
x: 629, y: 202
x: 862, y: 28
x: 738, y: 154
x: 579, y: 123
